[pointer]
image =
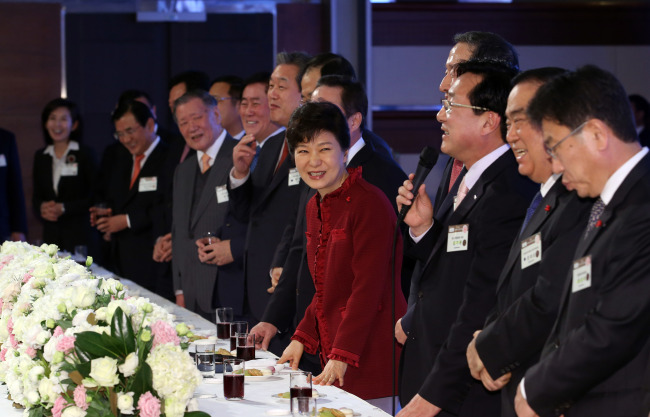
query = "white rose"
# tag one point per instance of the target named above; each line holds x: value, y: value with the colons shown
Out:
x: 35, y: 373
x: 100, y: 314
x: 82, y: 296
x: 73, y: 411
x: 32, y: 397
x: 46, y: 389
x: 125, y: 402
x: 104, y: 371
x: 130, y: 364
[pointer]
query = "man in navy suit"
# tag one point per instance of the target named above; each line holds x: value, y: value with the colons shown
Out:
x: 13, y: 219
x: 462, y: 249
x: 530, y: 285
x: 596, y: 359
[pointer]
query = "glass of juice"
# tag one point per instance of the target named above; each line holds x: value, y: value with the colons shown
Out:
x: 233, y: 379
x: 224, y: 318
x: 236, y: 327
x: 299, y: 386
x: 245, y: 348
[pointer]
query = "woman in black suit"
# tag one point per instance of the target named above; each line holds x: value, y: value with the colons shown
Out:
x: 63, y: 175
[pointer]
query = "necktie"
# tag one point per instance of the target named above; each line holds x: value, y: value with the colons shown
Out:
x: 136, y: 169
x: 596, y: 210
x: 258, y: 149
x: 283, y: 156
x: 530, y: 210
x: 455, y: 172
x: 205, y: 163
x: 462, y: 192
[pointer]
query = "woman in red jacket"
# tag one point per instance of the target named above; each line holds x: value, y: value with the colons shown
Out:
x: 350, y: 226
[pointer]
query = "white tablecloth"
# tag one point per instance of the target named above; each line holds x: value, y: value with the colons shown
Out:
x: 258, y: 400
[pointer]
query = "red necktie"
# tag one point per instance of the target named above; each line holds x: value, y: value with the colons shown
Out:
x: 455, y: 172
x: 136, y: 169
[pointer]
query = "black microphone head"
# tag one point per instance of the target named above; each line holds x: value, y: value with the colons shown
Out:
x: 428, y: 157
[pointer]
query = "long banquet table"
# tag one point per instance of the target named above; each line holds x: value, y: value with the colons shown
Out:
x: 258, y: 400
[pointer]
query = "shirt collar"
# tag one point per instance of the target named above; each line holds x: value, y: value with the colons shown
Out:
x: 550, y: 182
x: 213, y: 150
x: 277, y: 131
x: 475, y: 172
x: 619, y: 176
x: 354, y: 149
x: 73, y: 145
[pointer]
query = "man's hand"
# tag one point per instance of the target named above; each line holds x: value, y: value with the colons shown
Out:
x: 292, y: 354
x: 112, y: 224
x: 275, y: 278
x: 242, y: 155
x: 419, y: 407
x: 420, y: 216
x: 180, y: 300
x: 262, y: 333
x: 399, y: 332
x: 217, y: 253
x: 334, y: 370
x: 491, y: 384
x: 162, y: 250
x: 51, y: 210
x: 521, y: 405
x: 96, y: 213
x: 473, y: 360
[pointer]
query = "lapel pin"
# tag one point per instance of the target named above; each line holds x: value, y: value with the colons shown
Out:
x: 599, y: 223
x: 547, y: 208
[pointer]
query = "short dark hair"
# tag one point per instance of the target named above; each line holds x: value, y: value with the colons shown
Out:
x: 132, y: 95
x: 353, y: 96
x: 258, y: 78
x: 331, y: 64
x: 537, y: 75
x: 493, y: 90
x: 202, y: 95
x: 140, y: 111
x: 641, y: 104
x: 236, y: 85
x: 489, y: 46
x: 74, y: 116
x: 312, y: 118
x: 298, y: 59
x: 589, y: 92
x: 193, y: 80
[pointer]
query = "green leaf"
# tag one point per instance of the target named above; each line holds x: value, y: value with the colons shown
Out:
x: 141, y: 382
x: 37, y: 412
x: 65, y: 324
x: 122, y: 330
x: 196, y: 414
x: 94, y: 345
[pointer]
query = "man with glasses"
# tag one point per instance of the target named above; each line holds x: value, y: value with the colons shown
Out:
x: 462, y: 252
x: 596, y: 360
x: 530, y: 285
x: 227, y: 91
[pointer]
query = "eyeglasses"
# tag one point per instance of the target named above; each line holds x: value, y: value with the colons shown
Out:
x: 127, y: 132
x: 448, y: 105
x: 219, y: 98
x: 551, y: 150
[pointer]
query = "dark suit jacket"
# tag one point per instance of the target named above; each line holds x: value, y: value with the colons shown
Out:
x: 295, y: 289
x: 75, y: 192
x: 266, y: 202
x: 596, y: 359
x: 528, y: 299
x: 196, y: 279
x: 12, y: 200
x: 457, y: 291
x: 132, y: 248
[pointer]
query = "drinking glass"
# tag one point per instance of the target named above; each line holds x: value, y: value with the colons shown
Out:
x: 245, y: 349
x: 224, y: 318
x: 304, y: 406
x: 205, y: 357
x: 299, y: 386
x: 233, y: 379
x: 237, y: 327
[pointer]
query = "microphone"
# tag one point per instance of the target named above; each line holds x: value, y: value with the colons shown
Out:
x: 428, y: 158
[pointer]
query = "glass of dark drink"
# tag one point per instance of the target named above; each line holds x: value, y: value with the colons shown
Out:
x: 224, y: 318
x: 304, y: 406
x: 245, y: 349
x: 233, y: 379
x: 299, y: 386
x: 236, y: 327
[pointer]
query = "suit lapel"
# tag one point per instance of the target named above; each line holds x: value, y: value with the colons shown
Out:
x: 268, y: 158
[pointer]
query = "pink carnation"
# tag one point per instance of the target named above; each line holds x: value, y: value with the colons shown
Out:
x: 58, y: 331
x: 12, y: 341
x: 31, y: 352
x: 149, y: 405
x: 80, y: 397
x: 163, y: 333
x: 66, y: 344
x: 3, y: 353
x: 26, y: 277
x: 10, y: 325
x: 59, y: 405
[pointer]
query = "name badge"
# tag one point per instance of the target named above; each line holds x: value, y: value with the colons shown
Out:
x: 148, y: 184
x: 531, y: 250
x: 69, y: 170
x: 222, y: 194
x: 581, y: 274
x: 294, y: 177
x: 3, y: 160
x: 457, y: 237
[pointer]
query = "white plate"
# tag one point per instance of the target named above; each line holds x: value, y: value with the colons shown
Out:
x: 286, y: 400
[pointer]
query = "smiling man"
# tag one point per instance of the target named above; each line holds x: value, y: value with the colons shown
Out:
x: 596, y: 359
x: 462, y: 253
x: 200, y: 199
x: 530, y: 285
